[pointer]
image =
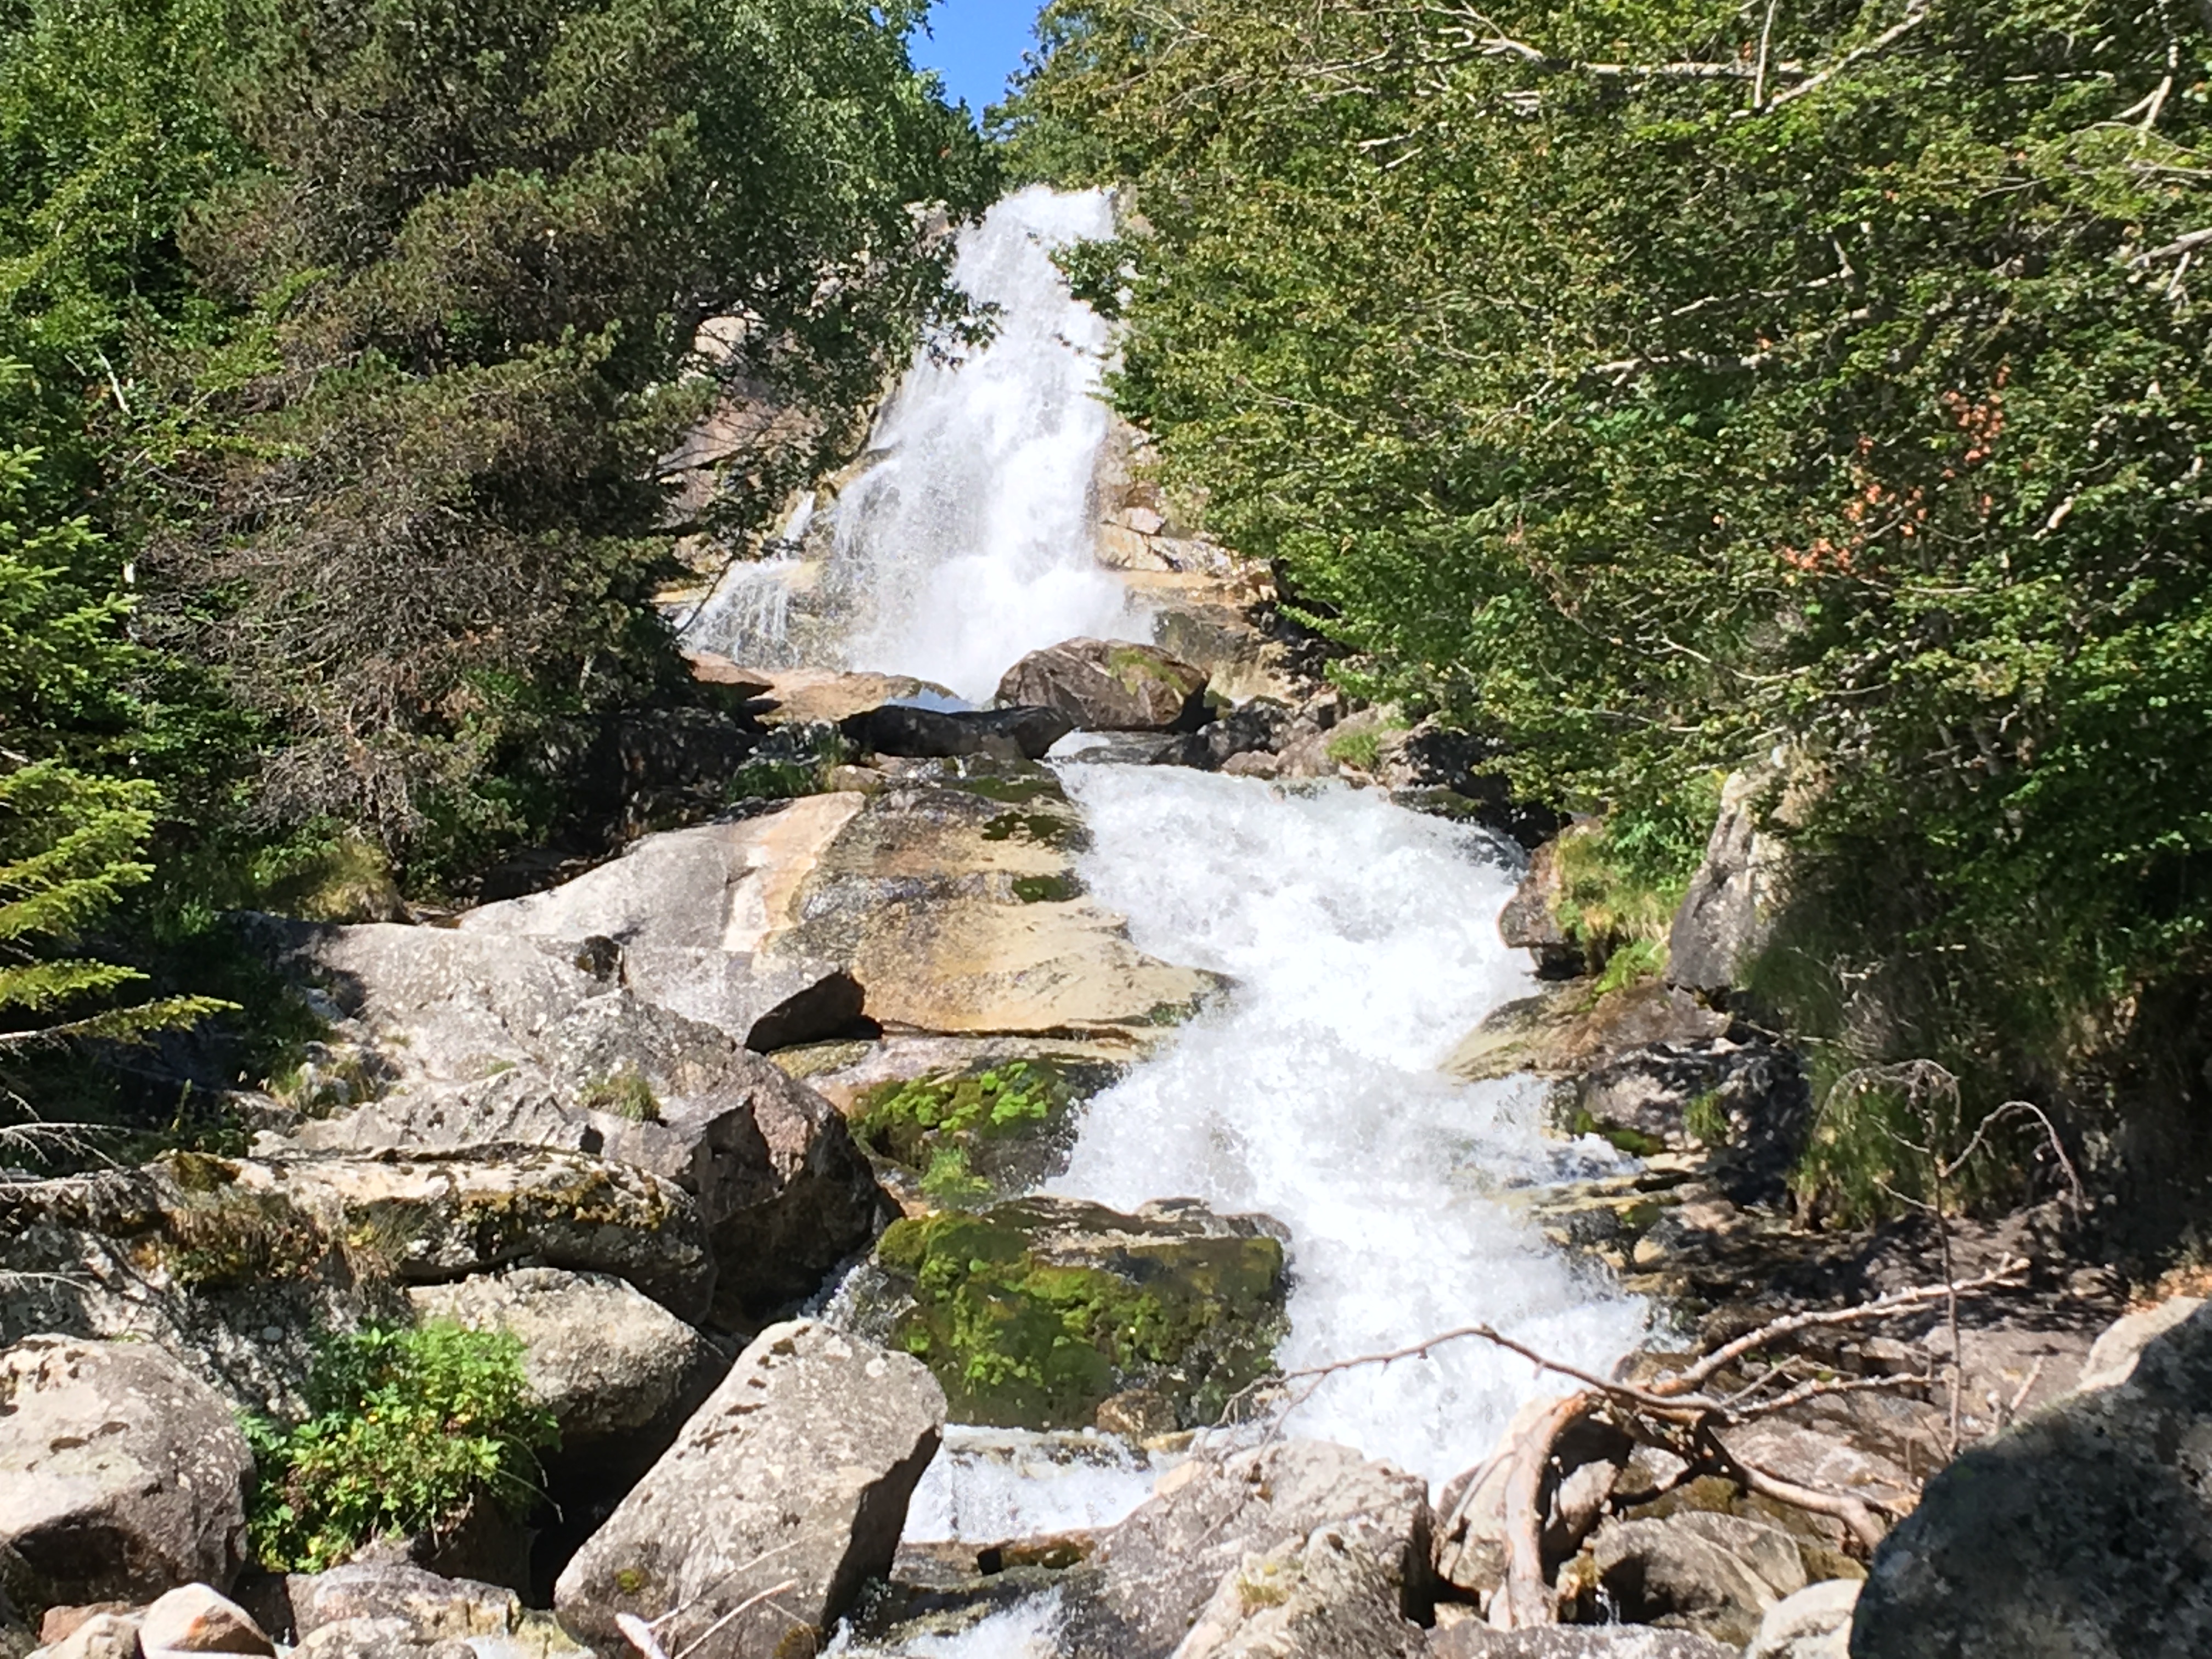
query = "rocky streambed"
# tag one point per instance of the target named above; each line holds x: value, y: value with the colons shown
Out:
x: 1085, y: 1175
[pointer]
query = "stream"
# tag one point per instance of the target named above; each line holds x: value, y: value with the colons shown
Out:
x: 1361, y: 939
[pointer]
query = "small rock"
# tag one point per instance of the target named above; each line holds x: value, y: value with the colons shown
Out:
x: 121, y: 1473
x: 1110, y: 686
x: 193, y: 1618
x: 789, y: 1485
x: 1813, y: 1623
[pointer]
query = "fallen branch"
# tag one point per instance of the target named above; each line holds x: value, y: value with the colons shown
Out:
x: 1524, y: 1600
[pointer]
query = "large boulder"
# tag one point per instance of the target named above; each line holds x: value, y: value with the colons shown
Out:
x: 786, y: 1491
x: 1728, y: 912
x: 121, y: 1475
x: 1039, y: 1312
x: 927, y: 733
x: 607, y: 1361
x: 1695, y: 1569
x: 954, y: 897
x: 1110, y: 686
x: 2085, y: 1530
x: 1158, y: 1570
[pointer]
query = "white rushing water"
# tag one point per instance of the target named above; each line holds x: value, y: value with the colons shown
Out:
x: 1362, y: 940
x: 970, y: 545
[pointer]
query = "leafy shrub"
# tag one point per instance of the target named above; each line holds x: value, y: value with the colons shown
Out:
x: 411, y: 1427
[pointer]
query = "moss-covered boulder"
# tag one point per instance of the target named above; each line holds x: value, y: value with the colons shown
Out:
x: 1033, y: 1314
x: 984, y: 1132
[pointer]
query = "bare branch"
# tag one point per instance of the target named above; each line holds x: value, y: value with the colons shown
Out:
x: 1889, y: 36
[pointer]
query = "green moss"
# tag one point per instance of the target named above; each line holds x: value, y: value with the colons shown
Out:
x: 1012, y: 791
x: 1047, y: 889
x: 1634, y: 1142
x: 1133, y: 667
x: 1707, y: 1119
x: 1021, y: 1340
x: 944, y: 1126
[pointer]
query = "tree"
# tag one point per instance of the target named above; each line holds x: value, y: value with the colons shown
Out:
x: 1654, y: 386
x: 416, y: 501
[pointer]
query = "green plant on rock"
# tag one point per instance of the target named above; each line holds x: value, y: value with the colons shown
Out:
x: 1361, y: 748
x: 411, y: 1428
x: 625, y: 1093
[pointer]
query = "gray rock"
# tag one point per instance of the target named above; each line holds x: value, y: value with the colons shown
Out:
x: 1024, y: 734
x: 1714, y: 1574
x: 1727, y: 915
x: 1329, y: 1597
x: 376, y: 1638
x: 604, y: 1360
x: 2085, y: 1531
x: 796, y: 1473
x: 1530, y: 921
x: 1159, y: 1568
x: 1748, y: 1099
x: 193, y: 1618
x: 1813, y: 1623
x: 1472, y: 1641
x: 1110, y: 686
x: 764, y: 1002
x: 430, y: 1608
x: 2112, y: 1357
x: 121, y: 1475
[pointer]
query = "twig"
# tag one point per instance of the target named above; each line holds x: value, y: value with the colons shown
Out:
x: 1766, y: 34
x: 1889, y: 36
x: 744, y: 1606
x: 1850, y: 1512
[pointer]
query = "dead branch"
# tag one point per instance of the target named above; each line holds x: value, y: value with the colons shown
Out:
x: 1914, y: 17
x: 1838, y: 1506
x: 1524, y: 1600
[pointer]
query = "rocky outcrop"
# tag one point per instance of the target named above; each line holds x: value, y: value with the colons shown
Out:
x: 1158, y: 1570
x: 1742, y: 1099
x: 605, y: 1360
x: 782, y: 1190
x: 1110, y: 686
x: 929, y: 734
x: 2085, y: 1530
x: 1728, y: 912
x: 121, y: 1475
x: 235, y: 1263
x: 787, y: 1490
x: 1040, y: 1312
x: 1530, y: 921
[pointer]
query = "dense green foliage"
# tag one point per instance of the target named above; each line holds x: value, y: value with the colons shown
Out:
x: 410, y: 1427
x: 351, y: 358
x: 1657, y: 387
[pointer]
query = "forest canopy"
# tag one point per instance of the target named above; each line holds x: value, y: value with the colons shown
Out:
x: 345, y: 354
x: 1660, y: 388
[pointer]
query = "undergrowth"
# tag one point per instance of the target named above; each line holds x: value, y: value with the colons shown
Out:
x: 411, y: 1428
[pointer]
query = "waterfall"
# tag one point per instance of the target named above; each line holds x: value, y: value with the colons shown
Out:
x: 970, y: 542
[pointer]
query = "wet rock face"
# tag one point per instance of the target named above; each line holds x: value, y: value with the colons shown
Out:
x: 1471, y: 1641
x: 795, y: 1473
x: 1038, y: 1313
x: 121, y: 1475
x: 1157, y: 1571
x: 1110, y: 686
x: 2086, y: 1530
